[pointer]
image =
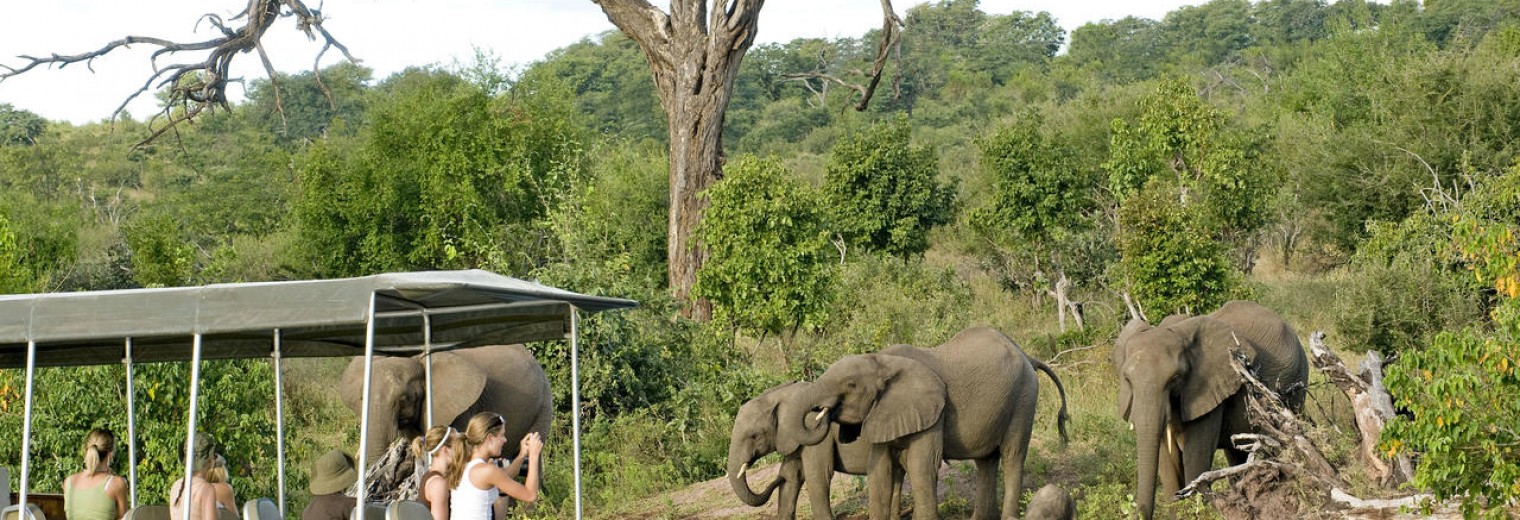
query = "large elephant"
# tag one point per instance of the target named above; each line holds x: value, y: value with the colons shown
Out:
x: 497, y: 378
x: 755, y: 435
x: 971, y: 398
x: 1177, y: 388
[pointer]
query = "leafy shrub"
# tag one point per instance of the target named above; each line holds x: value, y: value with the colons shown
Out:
x: 885, y: 193
x: 444, y: 175
x: 1460, y: 389
x: 886, y: 301
x: 769, y: 265
x: 1167, y: 260
x: 1405, y: 288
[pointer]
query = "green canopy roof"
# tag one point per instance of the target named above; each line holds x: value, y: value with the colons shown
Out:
x: 315, y: 318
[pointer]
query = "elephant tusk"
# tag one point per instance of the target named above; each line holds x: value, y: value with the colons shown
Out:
x: 1131, y: 426
x: 821, y: 413
x: 743, y: 469
x: 1171, y: 445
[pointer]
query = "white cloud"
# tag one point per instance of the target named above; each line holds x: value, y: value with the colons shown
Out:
x: 389, y: 35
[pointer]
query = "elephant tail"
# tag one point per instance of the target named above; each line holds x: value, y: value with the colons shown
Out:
x: 1061, y: 418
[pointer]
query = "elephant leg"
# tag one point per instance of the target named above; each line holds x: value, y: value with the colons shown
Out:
x: 818, y: 475
x: 921, y: 461
x: 791, y: 474
x: 986, y: 481
x: 897, y: 489
x: 878, y: 483
x: 1199, y: 438
x: 1015, y: 450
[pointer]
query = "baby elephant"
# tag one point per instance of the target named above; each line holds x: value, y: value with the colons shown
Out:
x: 1051, y: 503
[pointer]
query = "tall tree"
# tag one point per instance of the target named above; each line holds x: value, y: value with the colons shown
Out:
x: 694, y: 52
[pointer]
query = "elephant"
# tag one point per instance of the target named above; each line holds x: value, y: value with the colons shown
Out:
x: 755, y: 435
x: 1183, y: 399
x: 1051, y: 503
x: 496, y: 378
x: 972, y: 397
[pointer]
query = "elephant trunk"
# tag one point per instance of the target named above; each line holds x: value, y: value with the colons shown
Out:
x: 738, y: 478
x: 1149, y: 420
x: 798, y: 425
x: 382, y: 431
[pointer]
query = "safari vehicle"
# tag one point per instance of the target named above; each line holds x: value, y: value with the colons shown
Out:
x: 387, y: 314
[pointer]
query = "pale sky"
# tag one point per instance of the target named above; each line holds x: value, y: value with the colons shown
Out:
x: 390, y: 35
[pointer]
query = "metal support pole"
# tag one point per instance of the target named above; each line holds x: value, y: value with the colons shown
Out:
x: 427, y: 350
x: 279, y: 419
x: 131, y: 428
x: 575, y: 398
x: 195, y: 394
x: 26, y: 422
x: 369, y: 364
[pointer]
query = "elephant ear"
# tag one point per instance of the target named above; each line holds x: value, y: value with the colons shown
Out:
x: 352, y: 386
x: 457, y: 384
x: 1121, y: 345
x: 912, y: 400
x: 1210, y: 379
x: 1121, y: 352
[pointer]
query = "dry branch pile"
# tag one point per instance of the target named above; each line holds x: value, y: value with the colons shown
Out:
x: 392, y: 477
x: 1285, y: 467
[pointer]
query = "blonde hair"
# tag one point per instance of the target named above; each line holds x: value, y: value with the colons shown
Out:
x: 216, y: 470
x: 482, y: 425
x: 98, y: 445
x: 437, y: 437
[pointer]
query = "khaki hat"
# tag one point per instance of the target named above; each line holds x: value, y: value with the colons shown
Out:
x: 332, y: 473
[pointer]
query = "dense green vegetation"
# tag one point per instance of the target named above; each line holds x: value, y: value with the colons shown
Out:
x: 1351, y: 164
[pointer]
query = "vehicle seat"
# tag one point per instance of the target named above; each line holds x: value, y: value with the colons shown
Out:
x: 407, y: 510
x: 158, y: 512
x: 261, y: 509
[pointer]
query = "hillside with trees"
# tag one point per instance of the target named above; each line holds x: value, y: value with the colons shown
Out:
x: 1349, y: 164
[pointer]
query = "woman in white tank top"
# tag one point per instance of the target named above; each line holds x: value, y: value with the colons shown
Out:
x: 477, y: 483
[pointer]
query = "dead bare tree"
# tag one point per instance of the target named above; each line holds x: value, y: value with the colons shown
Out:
x: 193, y: 86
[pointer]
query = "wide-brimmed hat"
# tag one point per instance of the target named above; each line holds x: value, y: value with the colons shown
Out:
x: 332, y: 473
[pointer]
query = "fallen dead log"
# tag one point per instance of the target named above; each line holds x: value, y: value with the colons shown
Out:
x: 1370, y: 401
x: 1352, y: 502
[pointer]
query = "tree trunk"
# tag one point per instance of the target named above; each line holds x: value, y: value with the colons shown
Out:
x: 694, y: 56
x: 1062, y: 293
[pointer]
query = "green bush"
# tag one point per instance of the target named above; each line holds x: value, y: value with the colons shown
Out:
x: 769, y: 265
x: 885, y: 193
x: 1170, y: 263
x: 236, y: 409
x: 1404, y: 289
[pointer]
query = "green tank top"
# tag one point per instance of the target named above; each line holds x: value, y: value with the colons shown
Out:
x: 90, y: 503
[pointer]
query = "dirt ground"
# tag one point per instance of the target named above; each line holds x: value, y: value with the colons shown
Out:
x: 1257, y: 495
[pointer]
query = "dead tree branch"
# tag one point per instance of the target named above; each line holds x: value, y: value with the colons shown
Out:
x: 1278, y: 427
x: 198, y: 86
x: 891, y: 43
x: 1371, y: 402
x: 392, y: 477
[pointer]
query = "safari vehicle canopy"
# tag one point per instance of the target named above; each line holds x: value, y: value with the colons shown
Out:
x: 393, y: 314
